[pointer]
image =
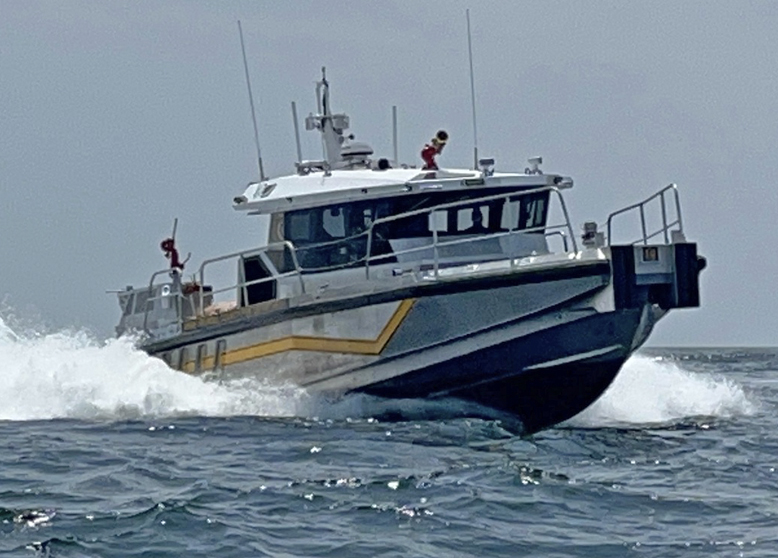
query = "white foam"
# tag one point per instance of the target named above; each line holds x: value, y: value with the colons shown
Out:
x: 651, y: 391
x: 70, y: 375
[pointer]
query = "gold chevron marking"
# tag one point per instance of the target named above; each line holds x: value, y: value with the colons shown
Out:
x: 308, y: 343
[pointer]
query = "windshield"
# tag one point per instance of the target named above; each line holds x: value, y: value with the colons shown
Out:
x: 336, y: 235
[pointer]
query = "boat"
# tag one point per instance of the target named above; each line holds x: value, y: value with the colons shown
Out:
x: 405, y: 282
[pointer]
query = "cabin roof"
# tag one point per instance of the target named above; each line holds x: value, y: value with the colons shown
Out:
x: 316, y: 189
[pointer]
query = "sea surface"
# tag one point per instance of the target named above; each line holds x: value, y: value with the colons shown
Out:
x: 107, y: 452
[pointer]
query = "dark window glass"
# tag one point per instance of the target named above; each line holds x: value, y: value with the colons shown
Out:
x: 142, y: 302
x: 126, y: 302
x: 335, y: 236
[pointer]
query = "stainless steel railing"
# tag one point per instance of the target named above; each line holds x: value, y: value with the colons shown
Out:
x: 563, y: 229
x: 640, y: 207
x: 256, y: 252
x: 437, y: 243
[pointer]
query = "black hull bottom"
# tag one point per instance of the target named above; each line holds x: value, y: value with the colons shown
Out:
x: 540, y: 399
x: 542, y: 379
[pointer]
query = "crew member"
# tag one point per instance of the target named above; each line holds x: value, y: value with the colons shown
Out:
x: 431, y: 149
x: 478, y: 222
x: 169, y: 247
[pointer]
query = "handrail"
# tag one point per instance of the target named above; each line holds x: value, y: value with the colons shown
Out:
x: 255, y: 251
x: 150, y: 290
x: 559, y: 233
x: 465, y: 203
x: 438, y: 242
x: 641, y: 207
x: 368, y: 257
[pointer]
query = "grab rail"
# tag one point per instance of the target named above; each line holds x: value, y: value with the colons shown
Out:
x: 150, y: 289
x: 564, y: 230
x: 640, y: 206
x: 436, y: 243
x: 274, y: 273
x: 563, y: 235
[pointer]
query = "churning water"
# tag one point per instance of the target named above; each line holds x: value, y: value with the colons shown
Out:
x: 105, y: 451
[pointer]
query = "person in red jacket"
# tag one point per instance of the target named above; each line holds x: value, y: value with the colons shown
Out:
x: 431, y: 149
x: 169, y: 247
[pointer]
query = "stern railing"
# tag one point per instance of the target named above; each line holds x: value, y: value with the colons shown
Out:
x: 640, y: 207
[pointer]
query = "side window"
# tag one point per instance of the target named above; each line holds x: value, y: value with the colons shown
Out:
x: 510, y: 215
x: 472, y: 219
x: 534, y: 212
x: 438, y: 221
x: 126, y: 302
x: 333, y: 222
x: 367, y: 218
x: 142, y: 301
x: 299, y: 225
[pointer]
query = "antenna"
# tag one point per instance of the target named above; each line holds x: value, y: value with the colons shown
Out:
x: 175, y: 226
x: 251, y: 101
x: 297, y: 133
x: 394, y: 133
x: 472, y: 92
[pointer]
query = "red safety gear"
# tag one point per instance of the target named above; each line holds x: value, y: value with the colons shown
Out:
x: 431, y: 149
x: 169, y: 247
x: 428, y: 155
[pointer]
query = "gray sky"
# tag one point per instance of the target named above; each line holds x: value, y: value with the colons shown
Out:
x: 116, y: 117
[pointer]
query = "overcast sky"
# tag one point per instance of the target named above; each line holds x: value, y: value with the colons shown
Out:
x: 116, y: 117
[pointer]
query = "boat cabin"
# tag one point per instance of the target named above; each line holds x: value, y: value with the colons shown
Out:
x: 349, y: 219
x: 402, y: 219
x: 349, y: 211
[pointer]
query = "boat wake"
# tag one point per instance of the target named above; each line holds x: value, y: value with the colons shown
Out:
x: 649, y: 392
x: 70, y: 375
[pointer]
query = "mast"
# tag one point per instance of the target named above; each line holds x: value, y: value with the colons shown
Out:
x: 331, y: 138
x: 330, y: 125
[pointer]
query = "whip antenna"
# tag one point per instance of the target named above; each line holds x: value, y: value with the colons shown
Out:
x: 394, y: 133
x: 297, y: 133
x: 251, y: 102
x: 472, y: 92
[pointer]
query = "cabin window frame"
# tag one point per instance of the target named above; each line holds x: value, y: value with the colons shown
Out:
x: 320, y: 249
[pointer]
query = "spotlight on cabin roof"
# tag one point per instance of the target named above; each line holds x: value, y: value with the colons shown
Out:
x: 534, y: 165
x: 487, y: 166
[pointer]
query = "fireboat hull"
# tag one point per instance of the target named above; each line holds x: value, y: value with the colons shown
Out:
x: 540, y: 379
x: 533, y: 345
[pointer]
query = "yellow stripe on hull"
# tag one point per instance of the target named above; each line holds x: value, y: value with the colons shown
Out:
x: 308, y: 343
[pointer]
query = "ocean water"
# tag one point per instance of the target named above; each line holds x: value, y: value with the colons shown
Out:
x: 107, y: 452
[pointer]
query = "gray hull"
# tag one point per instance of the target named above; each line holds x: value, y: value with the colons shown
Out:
x: 541, y: 344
